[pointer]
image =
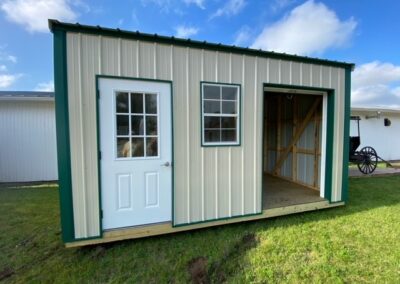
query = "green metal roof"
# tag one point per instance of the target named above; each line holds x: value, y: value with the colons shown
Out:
x: 97, y: 30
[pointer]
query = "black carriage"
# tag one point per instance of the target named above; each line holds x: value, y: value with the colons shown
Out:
x: 367, y: 158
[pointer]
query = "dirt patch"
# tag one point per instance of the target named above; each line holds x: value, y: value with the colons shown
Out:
x: 219, y: 270
x: 6, y: 272
x: 197, y: 268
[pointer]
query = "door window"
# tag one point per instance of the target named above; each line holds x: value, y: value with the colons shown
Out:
x: 136, y: 120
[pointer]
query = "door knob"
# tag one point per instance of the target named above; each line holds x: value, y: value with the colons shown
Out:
x: 166, y: 164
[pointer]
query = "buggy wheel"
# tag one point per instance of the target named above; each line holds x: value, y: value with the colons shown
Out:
x: 369, y: 160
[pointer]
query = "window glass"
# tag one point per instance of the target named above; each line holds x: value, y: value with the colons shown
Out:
x: 220, y: 111
x: 136, y: 120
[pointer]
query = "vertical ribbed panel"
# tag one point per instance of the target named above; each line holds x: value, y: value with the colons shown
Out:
x: 210, y: 182
x: 28, y: 141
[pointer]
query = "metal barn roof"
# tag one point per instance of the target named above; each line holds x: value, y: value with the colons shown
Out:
x: 26, y: 95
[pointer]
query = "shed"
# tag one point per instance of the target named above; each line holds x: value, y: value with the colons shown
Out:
x: 376, y: 123
x: 28, y: 137
x: 159, y: 135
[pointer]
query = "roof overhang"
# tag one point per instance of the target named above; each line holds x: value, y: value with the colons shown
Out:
x: 97, y: 30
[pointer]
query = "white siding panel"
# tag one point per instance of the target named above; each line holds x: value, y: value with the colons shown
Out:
x: 28, y: 141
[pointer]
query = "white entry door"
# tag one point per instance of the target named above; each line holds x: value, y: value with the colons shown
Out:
x: 136, y: 152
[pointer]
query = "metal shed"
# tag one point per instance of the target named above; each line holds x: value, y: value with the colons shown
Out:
x: 158, y: 135
x: 28, y: 137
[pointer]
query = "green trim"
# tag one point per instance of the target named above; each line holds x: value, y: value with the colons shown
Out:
x: 172, y: 136
x: 329, y: 130
x: 239, y: 143
x: 55, y: 25
x: 63, y: 142
x: 98, y: 158
x: 218, y: 219
x: 346, y: 134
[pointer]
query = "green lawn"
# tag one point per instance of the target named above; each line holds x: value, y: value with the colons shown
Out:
x: 356, y: 243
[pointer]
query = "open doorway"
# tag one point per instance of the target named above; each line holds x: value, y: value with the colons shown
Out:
x: 293, y: 141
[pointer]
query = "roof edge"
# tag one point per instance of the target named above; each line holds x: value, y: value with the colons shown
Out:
x: 98, y: 30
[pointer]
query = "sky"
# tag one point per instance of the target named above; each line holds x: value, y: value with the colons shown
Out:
x: 366, y: 33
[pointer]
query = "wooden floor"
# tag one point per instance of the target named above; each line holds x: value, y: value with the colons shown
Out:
x: 278, y: 192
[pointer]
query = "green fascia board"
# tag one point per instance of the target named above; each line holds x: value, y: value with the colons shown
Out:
x: 62, y: 131
x: 97, y: 30
x: 329, y: 129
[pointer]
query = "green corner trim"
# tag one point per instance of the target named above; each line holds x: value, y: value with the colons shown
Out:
x: 62, y: 130
x: 346, y: 134
x: 329, y: 130
x: 97, y: 30
x: 239, y: 143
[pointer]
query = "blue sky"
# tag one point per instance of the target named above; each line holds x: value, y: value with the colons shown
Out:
x: 363, y: 32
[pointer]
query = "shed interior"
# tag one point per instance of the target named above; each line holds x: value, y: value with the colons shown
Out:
x: 292, y: 149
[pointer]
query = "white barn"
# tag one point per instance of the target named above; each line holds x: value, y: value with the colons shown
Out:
x: 379, y: 128
x: 28, y: 137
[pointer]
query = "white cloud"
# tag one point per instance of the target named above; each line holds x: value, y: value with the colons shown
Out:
x: 6, y: 80
x: 33, y: 14
x: 310, y: 28
x: 3, y: 68
x: 376, y: 84
x: 231, y: 8
x: 278, y: 5
x: 185, y: 32
x: 45, y: 87
x: 243, y: 36
x: 198, y: 3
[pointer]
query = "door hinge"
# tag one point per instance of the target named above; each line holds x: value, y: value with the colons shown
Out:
x: 101, y: 213
x: 99, y: 155
x: 98, y: 94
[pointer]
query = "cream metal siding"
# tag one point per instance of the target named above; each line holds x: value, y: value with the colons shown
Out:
x: 210, y: 182
x: 28, y: 141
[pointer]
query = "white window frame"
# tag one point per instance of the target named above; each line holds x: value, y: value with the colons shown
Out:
x: 237, y: 115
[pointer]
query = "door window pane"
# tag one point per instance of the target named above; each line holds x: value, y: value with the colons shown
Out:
x: 123, y: 148
x: 136, y: 103
x: 151, y: 103
x: 152, y: 147
x: 122, y: 102
x: 137, y: 147
x: 122, y: 124
x: 151, y: 125
x: 137, y: 125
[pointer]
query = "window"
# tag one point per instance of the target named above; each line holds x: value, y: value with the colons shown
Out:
x: 136, y: 125
x: 220, y: 114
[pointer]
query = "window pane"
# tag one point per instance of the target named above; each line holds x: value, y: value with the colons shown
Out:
x: 212, y: 106
x: 152, y: 147
x: 228, y: 135
x: 229, y: 93
x: 136, y: 103
x: 122, y: 124
x: 211, y: 92
x: 229, y: 107
x: 151, y: 125
x: 212, y: 136
x: 123, y: 148
x: 122, y: 102
x: 212, y: 122
x: 228, y: 122
x: 137, y: 125
x: 137, y: 147
x: 151, y: 103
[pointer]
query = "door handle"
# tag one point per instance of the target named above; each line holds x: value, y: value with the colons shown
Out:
x: 166, y: 164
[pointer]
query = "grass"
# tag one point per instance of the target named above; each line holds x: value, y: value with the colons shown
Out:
x: 356, y: 243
